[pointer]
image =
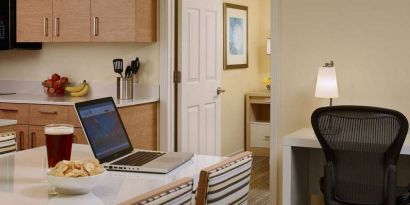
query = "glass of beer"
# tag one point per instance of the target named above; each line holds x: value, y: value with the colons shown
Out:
x: 59, y: 140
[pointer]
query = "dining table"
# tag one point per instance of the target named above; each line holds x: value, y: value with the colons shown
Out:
x: 23, y: 179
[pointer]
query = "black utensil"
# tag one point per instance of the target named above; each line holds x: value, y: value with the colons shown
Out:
x: 128, y: 71
x: 118, y: 66
x: 136, y: 66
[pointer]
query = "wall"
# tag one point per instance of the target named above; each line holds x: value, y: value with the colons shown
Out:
x: 367, y: 39
x: 238, y: 82
x: 90, y: 61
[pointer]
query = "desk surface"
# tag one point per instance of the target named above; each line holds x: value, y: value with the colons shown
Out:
x: 306, y: 138
x: 23, y: 179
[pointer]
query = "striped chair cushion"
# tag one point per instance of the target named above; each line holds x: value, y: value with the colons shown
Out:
x: 7, y: 142
x: 176, y: 193
x: 227, y: 182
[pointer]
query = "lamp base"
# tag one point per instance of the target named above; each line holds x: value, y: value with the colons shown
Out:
x: 331, y: 102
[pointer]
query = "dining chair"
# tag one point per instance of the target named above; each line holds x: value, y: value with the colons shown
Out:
x: 362, y: 146
x: 175, y: 193
x: 8, y: 142
x: 226, y: 182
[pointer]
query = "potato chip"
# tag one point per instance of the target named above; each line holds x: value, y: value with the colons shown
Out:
x: 77, y: 168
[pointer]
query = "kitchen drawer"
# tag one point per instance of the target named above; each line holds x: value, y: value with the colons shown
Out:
x: 13, y: 111
x: 72, y: 117
x: 260, y: 134
x: 48, y: 114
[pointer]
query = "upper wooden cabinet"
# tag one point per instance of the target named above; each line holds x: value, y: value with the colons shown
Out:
x: 113, y: 20
x: 86, y: 20
x: 34, y: 20
x: 71, y: 20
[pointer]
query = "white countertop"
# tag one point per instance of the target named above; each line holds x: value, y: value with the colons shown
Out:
x: 4, y: 122
x: 23, y: 179
x: 44, y: 99
x: 306, y: 138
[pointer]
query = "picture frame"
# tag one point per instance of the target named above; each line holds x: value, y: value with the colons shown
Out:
x: 235, y: 36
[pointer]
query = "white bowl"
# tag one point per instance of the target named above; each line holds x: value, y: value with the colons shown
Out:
x: 78, y: 185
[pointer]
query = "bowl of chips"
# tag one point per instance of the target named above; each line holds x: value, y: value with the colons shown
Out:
x: 76, y: 177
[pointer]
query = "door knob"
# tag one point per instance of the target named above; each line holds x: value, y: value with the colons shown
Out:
x: 219, y: 90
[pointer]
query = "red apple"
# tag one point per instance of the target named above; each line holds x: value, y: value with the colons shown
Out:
x: 55, y: 77
x: 51, y: 91
x: 64, y: 80
x: 48, y: 83
x: 60, y: 91
x: 58, y: 85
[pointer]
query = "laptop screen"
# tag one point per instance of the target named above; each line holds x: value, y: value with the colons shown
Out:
x: 103, y: 127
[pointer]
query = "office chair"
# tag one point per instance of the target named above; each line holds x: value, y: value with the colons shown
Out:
x: 362, y: 146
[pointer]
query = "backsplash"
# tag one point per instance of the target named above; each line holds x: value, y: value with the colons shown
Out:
x: 79, y: 61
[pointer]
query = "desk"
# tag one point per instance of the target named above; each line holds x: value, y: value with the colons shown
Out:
x: 303, y: 162
x: 23, y: 182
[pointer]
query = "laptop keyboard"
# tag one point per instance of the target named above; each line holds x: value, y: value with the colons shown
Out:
x: 138, y: 159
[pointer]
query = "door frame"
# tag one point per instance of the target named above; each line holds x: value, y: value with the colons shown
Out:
x: 167, y: 93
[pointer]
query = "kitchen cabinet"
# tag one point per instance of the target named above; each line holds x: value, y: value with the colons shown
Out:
x: 140, y: 122
x: 34, y: 20
x: 71, y: 20
x: 113, y: 21
x: 86, y: 20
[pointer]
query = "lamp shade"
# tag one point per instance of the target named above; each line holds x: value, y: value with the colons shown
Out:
x: 268, y: 51
x: 326, y: 84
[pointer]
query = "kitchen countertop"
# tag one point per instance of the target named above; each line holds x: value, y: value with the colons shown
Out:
x: 4, y: 122
x: 45, y: 100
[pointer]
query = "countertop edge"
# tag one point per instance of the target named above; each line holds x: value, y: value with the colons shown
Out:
x: 4, y: 122
x: 117, y: 102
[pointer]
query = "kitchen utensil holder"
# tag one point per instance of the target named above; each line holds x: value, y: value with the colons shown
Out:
x: 125, y: 88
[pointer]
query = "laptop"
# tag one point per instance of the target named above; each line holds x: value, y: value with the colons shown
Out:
x: 111, y: 145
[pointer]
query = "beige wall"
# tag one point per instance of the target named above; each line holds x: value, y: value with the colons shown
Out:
x: 90, y: 61
x: 237, y: 82
x: 367, y: 39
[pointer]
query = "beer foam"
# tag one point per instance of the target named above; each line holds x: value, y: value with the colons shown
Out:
x: 59, y: 130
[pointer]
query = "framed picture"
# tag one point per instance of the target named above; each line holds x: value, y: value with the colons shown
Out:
x: 235, y: 36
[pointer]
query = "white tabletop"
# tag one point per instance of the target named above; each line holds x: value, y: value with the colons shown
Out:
x: 306, y: 138
x: 4, y: 122
x: 23, y: 180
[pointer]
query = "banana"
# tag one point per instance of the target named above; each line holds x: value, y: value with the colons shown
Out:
x: 77, y: 88
x: 82, y: 92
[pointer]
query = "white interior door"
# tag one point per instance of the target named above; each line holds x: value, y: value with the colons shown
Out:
x: 199, y: 60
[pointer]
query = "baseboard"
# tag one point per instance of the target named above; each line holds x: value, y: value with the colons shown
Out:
x: 234, y: 153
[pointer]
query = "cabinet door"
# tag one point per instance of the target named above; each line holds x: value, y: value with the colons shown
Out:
x: 48, y: 114
x: 113, y: 21
x: 140, y: 122
x: 34, y: 20
x: 71, y: 20
x: 22, y: 135
x: 79, y: 136
x: 37, y: 137
x: 146, y: 20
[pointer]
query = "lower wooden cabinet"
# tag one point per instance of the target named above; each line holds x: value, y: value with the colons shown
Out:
x: 140, y: 122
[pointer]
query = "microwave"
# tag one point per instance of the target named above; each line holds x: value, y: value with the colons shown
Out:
x: 8, y: 28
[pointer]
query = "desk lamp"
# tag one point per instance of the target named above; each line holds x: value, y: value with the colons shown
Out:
x: 326, y: 84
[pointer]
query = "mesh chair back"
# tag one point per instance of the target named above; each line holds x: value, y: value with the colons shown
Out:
x: 361, y: 142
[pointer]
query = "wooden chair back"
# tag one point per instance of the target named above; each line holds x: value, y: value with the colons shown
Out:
x: 175, y: 193
x: 8, y: 142
x: 226, y: 182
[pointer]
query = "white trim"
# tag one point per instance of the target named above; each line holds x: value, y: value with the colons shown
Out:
x: 166, y: 36
x: 274, y: 101
x: 234, y: 153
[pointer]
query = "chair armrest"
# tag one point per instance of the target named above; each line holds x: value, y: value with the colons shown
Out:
x: 391, y: 181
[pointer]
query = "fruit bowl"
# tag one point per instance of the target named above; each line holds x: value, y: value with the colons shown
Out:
x: 55, y: 85
x: 75, y: 185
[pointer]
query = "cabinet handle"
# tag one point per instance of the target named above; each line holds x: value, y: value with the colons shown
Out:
x: 45, y: 26
x: 267, y: 137
x: 9, y: 110
x: 57, y: 24
x: 48, y: 112
x: 33, y: 139
x: 96, y: 26
x: 21, y: 136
